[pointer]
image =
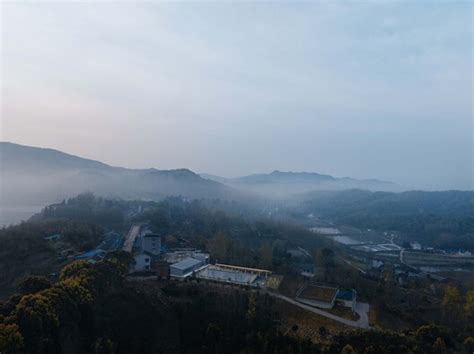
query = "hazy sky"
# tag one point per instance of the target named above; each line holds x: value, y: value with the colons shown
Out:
x: 363, y: 89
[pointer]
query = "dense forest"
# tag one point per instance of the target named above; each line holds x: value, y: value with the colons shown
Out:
x: 25, y: 250
x: 94, y: 309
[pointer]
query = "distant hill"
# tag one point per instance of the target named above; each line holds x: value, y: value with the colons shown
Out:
x: 362, y: 203
x: 438, y: 219
x: 280, y: 184
x: 31, y: 175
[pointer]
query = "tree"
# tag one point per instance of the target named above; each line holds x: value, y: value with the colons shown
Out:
x: 252, y: 307
x: 123, y: 257
x: 325, y: 262
x: 348, y: 349
x: 428, y: 334
x: 103, y: 346
x: 451, y: 303
x: 219, y: 246
x: 323, y: 332
x: 451, y: 296
x: 439, y: 346
x: 38, y: 323
x: 33, y: 284
x: 469, y: 304
x: 266, y: 255
x: 75, y: 269
x: 11, y: 340
x: 469, y: 344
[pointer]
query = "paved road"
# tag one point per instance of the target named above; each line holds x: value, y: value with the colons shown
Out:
x: 361, y: 309
x: 130, y: 238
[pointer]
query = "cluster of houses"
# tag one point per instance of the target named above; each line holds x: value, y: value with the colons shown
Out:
x: 150, y: 255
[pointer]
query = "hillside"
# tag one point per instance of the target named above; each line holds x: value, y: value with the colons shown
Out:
x: 440, y: 219
x: 32, y: 175
x: 278, y: 184
x: 361, y: 202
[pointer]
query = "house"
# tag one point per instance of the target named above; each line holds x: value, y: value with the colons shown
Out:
x: 142, y: 263
x: 185, y: 268
x: 151, y: 243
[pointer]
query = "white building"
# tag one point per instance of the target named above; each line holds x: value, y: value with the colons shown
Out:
x: 186, y: 267
x: 151, y: 243
x: 142, y: 263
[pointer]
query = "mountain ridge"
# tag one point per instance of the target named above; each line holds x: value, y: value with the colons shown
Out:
x: 47, y: 175
x: 282, y: 184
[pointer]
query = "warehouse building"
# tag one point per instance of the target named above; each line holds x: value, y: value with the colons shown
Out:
x: 186, y: 267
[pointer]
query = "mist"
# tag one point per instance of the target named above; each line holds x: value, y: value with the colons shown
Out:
x: 363, y: 90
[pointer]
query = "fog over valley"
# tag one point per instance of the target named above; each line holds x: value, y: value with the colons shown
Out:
x: 230, y: 177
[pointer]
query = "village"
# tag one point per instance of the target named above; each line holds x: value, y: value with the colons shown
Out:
x: 154, y: 260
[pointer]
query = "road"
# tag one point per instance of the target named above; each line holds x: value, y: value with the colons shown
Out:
x: 130, y: 238
x: 361, y: 309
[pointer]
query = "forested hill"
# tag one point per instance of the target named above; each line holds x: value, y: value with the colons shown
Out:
x: 34, y: 175
x: 362, y: 202
x: 441, y: 219
x: 281, y: 185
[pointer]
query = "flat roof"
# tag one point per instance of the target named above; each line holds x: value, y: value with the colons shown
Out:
x: 229, y: 266
x: 226, y: 275
x: 186, y: 264
x: 319, y: 293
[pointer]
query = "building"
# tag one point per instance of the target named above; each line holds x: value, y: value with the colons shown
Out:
x: 178, y: 255
x: 203, y: 257
x: 318, y: 295
x: 226, y: 273
x: 151, y: 243
x: 142, y: 263
x: 347, y: 298
x: 186, y: 267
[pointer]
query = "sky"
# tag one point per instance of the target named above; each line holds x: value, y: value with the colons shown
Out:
x: 361, y: 89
